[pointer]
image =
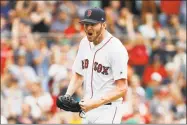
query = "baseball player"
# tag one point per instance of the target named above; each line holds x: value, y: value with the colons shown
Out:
x: 101, y: 63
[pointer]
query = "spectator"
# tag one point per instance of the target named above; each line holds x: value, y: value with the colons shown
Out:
x: 4, y: 26
x: 39, y: 101
x: 13, y: 98
x: 164, y: 49
x: 115, y: 6
x: 24, y: 73
x: 6, y: 54
x: 180, y: 58
x: 57, y: 72
x: 74, y: 27
x: 109, y: 20
x: 5, y: 8
x: 174, y: 26
x: 61, y: 22
x: 161, y: 105
x: 124, y: 25
x: 159, y: 32
x: 138, y: 55
x: 82, y: 6
x: 148, y: 7
x: 156, y: 66
x: 25, y: 117
x: 68, y: 7
x: 26, y: 45
x: 41, y: 18
x: 165, y: 7
x: 171, y: 70
x: 183, y: 13
x: 41, y: 58
x: 155, y: 82
x: 147, y: 29
x: 23, y: 9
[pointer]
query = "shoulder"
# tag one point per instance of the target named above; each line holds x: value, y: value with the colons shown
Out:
x: 84, y: 42
x: 117, y: 45
x: 116, y: 42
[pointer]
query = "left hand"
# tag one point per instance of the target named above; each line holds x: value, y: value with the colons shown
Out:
x: 87, y: 104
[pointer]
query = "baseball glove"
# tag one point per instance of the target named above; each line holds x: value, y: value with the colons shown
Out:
x: 67, y: 103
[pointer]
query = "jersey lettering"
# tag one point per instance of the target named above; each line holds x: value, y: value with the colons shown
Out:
x: 100, y: 68
x: 82, y: 64
x: 95, y: 66
x: 85, y: 64
x: 105, y: 70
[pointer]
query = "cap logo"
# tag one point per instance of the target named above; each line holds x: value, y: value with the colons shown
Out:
x: 89, y: 13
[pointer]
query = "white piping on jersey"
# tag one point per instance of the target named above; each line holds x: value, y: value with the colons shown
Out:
x: 93, y: 65
x: 114, y: 115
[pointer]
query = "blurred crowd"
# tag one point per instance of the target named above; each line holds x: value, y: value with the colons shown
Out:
x: 39, y: 42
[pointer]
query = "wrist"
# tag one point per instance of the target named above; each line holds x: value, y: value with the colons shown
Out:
x: 67, y: 94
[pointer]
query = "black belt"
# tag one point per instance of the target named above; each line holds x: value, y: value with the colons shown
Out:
x: 109, y: 103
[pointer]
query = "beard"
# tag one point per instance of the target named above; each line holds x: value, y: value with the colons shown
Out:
x: 92, y: 37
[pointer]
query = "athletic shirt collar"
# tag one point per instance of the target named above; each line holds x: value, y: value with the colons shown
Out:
x: 107, y: 37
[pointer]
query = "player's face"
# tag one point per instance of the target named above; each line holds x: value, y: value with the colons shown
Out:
x: 92, y: 30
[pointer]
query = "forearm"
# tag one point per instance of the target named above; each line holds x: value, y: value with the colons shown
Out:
x: 75, y: 83
x: 113, y: 95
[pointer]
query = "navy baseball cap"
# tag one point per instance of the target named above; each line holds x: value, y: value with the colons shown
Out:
x: 93, y: 16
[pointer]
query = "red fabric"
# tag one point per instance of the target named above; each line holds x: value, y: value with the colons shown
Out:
x: 5, y: 50
x: 54, y: 107
x: 150, y: 69
x: 126, y: 117
x: 70, y: 31
x: 147, y: 118
x: 138, y: 55
x: 170, y: 7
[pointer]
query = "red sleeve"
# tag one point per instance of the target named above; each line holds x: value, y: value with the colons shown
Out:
x: 170, y: 7
x: 147, y: 75
x: 163, y: 72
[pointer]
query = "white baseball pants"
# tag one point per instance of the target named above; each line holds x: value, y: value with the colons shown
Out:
x: 105, y: 114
